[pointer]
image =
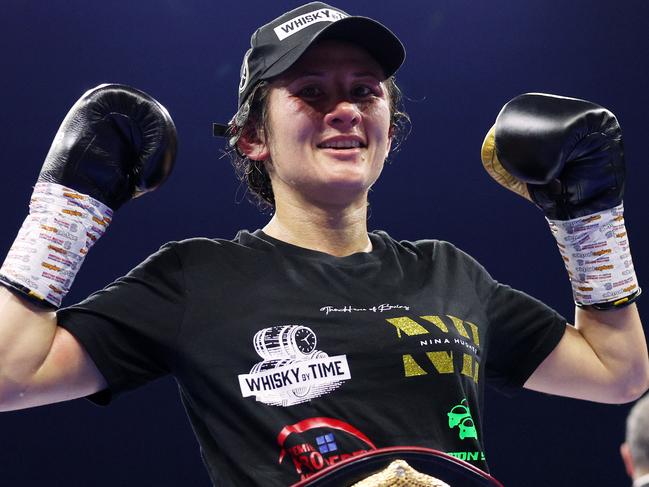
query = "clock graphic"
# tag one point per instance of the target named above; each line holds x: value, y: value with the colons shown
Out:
x: 305, y: 340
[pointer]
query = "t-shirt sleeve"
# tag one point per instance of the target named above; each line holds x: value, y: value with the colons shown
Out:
x: 522, y: 331
x: 130, y: 327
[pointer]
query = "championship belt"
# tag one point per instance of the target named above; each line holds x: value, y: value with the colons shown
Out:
x: 401, y: 467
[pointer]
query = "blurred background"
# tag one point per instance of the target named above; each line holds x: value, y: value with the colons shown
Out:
x: 465, y: 60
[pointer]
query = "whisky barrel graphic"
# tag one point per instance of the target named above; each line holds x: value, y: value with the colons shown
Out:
x: 284, y: 341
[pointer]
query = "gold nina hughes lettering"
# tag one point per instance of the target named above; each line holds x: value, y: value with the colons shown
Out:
x: 443, y: 360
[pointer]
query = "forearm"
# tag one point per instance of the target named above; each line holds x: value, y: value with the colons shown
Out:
x: 26, y: 336
x: 617, y: 339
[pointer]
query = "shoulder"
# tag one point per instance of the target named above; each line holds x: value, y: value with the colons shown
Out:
x: 177, y: 256
x: 199, y: 246
x: 216, y: 256
x: 437, y: 256
x: 195, y: 244
x: 426, y: 248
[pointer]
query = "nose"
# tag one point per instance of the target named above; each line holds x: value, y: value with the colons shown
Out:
x: 343, y: 116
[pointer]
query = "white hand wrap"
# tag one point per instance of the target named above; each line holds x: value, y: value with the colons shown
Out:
x: 595, y: 249
x: 53, y: 241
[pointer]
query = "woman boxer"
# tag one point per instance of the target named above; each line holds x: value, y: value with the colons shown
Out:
x: 313, y: 336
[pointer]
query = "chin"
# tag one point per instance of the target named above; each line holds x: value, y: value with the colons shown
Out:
x: 343, y: 193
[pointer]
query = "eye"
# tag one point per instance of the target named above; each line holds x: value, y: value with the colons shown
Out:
x: 310, y: 92
x: 363, y: 91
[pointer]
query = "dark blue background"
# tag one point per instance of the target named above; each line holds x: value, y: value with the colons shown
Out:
x: 465, y: 60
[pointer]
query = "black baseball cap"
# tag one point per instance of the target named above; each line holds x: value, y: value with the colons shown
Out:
x: 276, y: 46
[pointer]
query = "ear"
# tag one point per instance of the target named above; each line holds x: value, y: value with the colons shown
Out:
x: 390, y: 139
x: 625, y: 451
x: 253, y: 146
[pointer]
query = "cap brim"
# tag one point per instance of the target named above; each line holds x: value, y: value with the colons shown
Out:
x: 381, y: 43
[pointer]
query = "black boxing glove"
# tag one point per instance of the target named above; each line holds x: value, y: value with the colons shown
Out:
x: 568, y: 151
x: 566, y: 155
x: 115, y: 143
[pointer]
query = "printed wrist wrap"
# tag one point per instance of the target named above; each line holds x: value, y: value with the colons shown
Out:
x: 595, y: 250
x: 53, y: 241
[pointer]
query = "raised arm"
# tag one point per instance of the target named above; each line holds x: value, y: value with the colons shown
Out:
x: 566, y: 156
x: 115, y: 144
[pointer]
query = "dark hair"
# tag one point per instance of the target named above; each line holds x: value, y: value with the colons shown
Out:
x: 254, y: 174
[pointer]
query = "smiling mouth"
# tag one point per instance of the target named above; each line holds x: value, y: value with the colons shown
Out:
x: 341, y: 145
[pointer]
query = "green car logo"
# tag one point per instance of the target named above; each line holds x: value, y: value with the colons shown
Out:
x: 460, y: 416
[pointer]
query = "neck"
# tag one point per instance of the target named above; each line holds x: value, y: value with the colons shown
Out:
x: 338, y: 231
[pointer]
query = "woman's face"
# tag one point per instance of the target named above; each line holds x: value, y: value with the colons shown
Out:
x: 328, y: 126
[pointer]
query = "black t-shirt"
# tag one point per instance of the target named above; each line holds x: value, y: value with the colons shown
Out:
x: 289, y: 360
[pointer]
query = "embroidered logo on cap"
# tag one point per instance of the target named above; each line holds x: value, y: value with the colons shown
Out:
x: 303, y: 21
x: 245, y: 72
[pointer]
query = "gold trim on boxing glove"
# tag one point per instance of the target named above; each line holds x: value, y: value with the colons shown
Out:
x: 496, y: 170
